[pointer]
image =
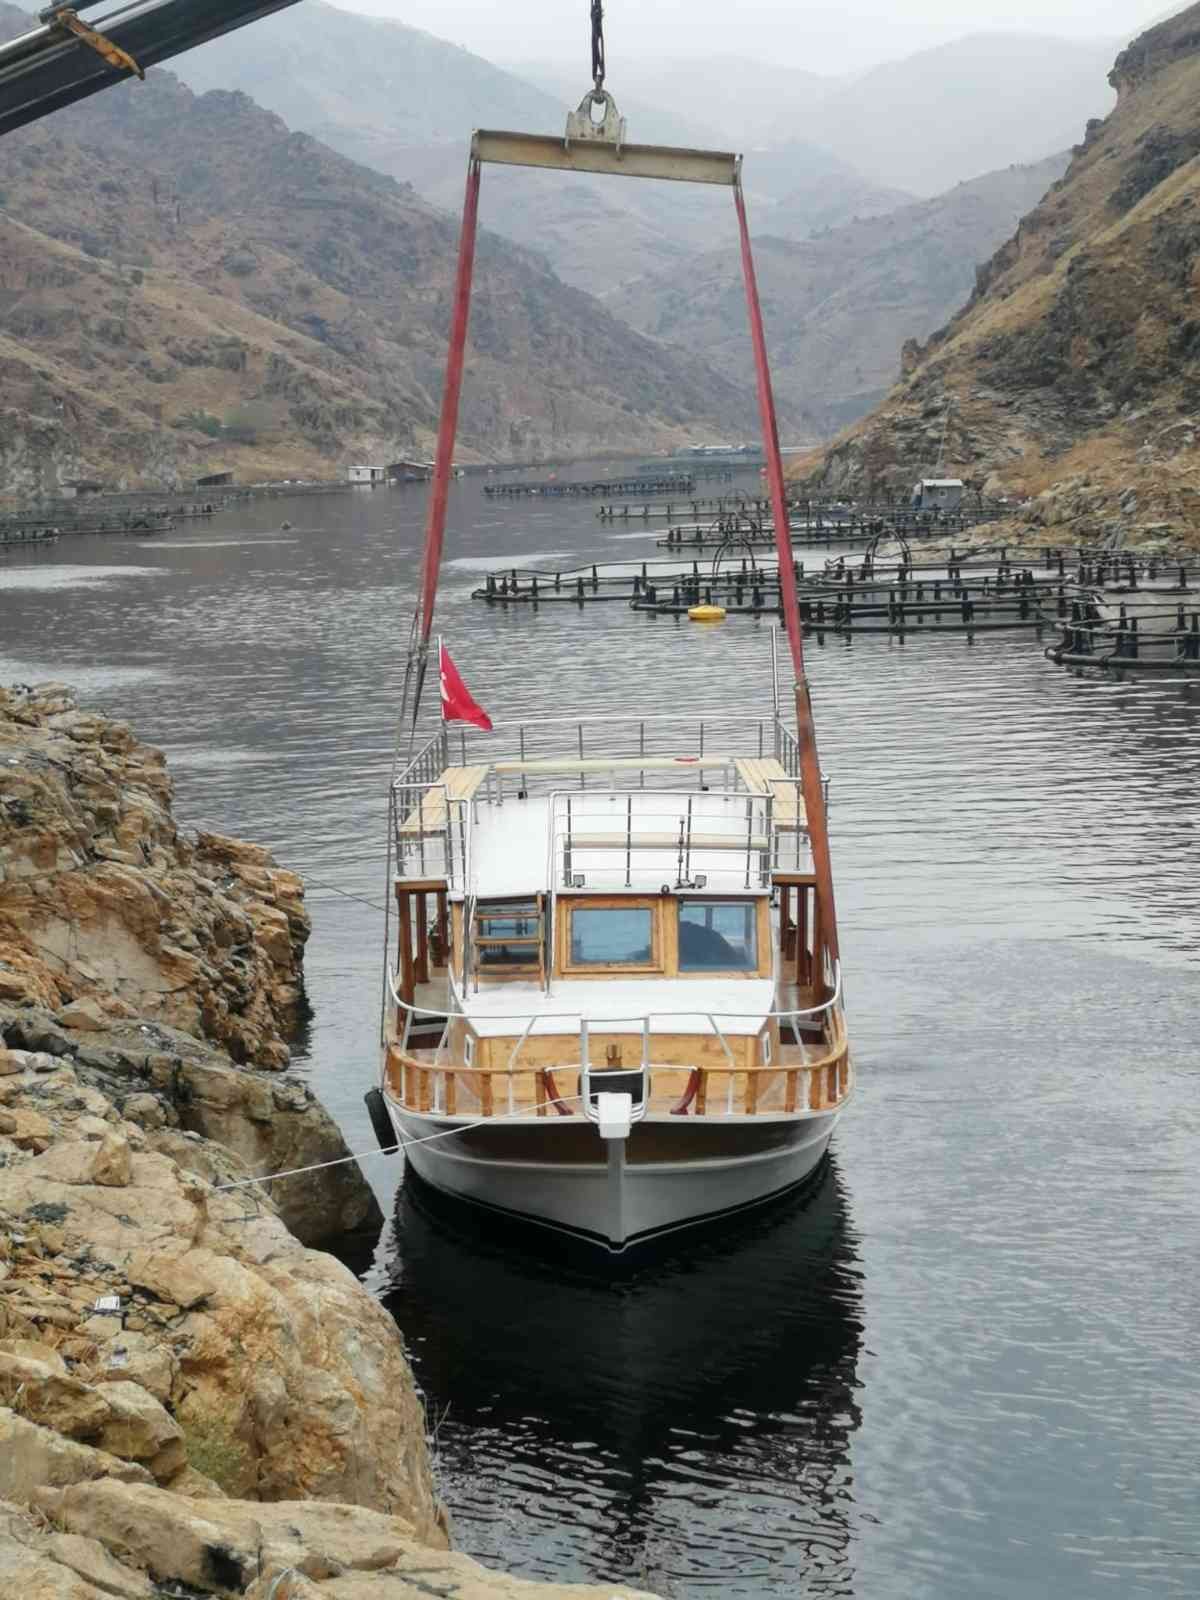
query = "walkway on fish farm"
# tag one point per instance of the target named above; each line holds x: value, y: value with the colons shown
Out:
x: 816, y: 525
x: 964, y: 591
x: 558, y: 488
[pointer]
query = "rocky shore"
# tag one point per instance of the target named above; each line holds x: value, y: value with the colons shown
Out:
x: 193, y: 1402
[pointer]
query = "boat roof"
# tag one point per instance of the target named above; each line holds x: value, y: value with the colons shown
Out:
x: 615, y: 842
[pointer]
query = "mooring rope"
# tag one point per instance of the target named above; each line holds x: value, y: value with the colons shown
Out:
x: 403, y: 1144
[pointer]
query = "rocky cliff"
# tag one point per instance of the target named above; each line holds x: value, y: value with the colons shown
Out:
x: 160, y: 965
x: 192, y: 1402
x: 1068, y: 380
x: 186, y: 285
x: 840, y: 305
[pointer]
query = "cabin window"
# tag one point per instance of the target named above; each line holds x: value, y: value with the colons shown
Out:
x: 718, y: 936
x: 612, y: 936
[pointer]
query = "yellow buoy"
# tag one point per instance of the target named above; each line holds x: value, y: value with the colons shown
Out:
x: 706, y: 614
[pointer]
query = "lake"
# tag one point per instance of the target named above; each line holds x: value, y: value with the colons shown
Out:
x: 965, y: 1365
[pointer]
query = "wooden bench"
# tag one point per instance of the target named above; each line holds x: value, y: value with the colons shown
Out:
x: 456, y: 783
x: 765, y: 775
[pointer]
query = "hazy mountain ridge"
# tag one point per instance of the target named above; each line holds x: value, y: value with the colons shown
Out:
x: 819, y: 151
x: 839, y: 307
x: 1071, y: 374
x: 949, y: 114
x: 219, y: 291
x: 405, y: 103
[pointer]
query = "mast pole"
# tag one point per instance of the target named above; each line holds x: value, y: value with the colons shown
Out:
x: 811, y: 786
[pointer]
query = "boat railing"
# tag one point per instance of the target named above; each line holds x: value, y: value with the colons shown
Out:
x: 628, y: 839
x: 431, y: 833
x: 575, y: 1029
x: 433, y: 799
x: 621, y: 738
x: 787, y: 753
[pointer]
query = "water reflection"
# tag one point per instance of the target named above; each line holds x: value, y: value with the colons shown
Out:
x: 685, y: 1426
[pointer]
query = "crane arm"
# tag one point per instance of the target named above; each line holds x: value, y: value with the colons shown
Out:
x: 65, y: 60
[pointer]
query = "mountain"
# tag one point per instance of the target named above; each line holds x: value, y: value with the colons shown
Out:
x: 745, y: 103
x: 839, y: 306
x: 649, y: 122
x: 187, y: 285
x: 405, y: 103
x: 367, y: 86
x: 945, y: 115
x: 1071, y: 375
x: 799, y: 188
x: 922, y: 123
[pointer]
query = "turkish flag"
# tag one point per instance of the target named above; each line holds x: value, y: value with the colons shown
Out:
x: 457, y: 704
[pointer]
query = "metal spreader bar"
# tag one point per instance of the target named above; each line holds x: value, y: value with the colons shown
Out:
x: 584, y: 154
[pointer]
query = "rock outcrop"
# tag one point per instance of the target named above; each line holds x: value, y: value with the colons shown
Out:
x: 128, y: 919
x: 154, y: 1312
x: 163, y: 969
x: 1068, y: 380
x: 192, y: 1402
x: 117, y: 1541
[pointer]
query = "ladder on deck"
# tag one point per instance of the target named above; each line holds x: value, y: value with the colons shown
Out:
x: 526, y: 942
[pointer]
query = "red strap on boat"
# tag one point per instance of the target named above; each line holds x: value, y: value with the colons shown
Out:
x: 811, y: 785
x: 770, y: 433
x: 435, y: 525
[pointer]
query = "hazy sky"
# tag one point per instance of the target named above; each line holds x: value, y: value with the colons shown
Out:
x: 824, y: 37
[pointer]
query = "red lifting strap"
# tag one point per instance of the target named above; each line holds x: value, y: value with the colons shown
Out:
x: 435, y: 524
x: 435, y: 527
x: 770, y: 433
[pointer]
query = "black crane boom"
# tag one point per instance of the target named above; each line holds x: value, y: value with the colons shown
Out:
x: 65, y: 60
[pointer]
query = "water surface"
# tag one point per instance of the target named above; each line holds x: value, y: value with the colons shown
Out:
x: 964, y: 1367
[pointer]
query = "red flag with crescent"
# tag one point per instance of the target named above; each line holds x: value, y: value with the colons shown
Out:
x: 458, y: 704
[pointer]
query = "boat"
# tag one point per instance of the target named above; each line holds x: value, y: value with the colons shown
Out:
x: 613, y: 998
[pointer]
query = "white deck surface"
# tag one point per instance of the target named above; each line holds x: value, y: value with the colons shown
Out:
x: 511, y: 855
x: 737, y: 1005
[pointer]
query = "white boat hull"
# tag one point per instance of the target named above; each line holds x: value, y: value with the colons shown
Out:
x: 614, y: 1197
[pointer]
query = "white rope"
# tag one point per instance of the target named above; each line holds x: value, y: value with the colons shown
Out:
x: 404, y: 1144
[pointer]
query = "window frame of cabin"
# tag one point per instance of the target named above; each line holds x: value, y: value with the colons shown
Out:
x: 655, y: 967
x: 761, y: 967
